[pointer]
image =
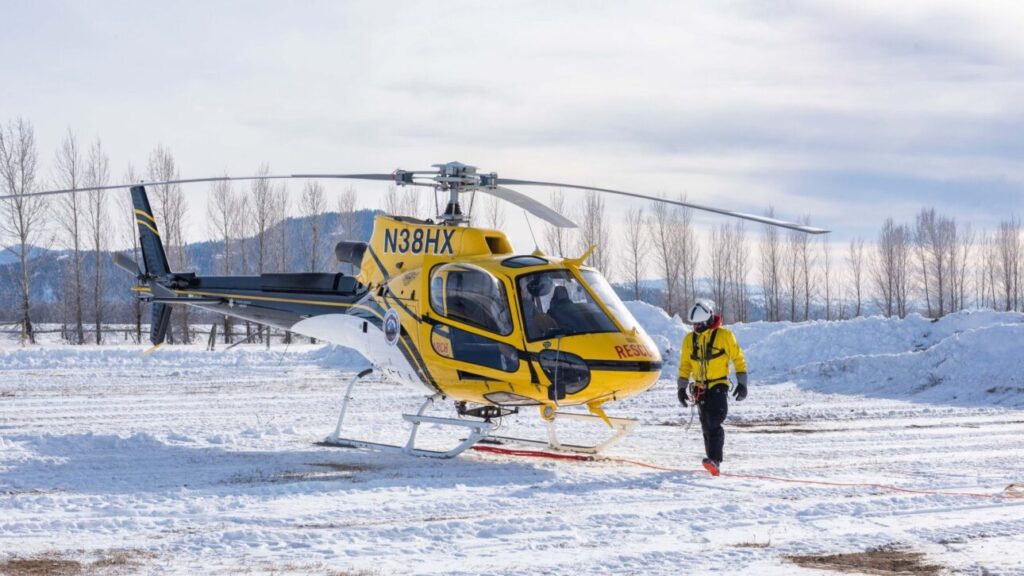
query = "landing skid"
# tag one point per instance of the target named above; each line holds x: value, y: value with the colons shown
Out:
x: 477, y: 430
x: 620, y: 426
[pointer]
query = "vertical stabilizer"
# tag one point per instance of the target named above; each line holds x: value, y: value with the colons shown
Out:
x: 155, y: 261
x: 153, y: 255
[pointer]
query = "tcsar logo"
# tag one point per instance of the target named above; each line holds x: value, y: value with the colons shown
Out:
x: 392, y: 326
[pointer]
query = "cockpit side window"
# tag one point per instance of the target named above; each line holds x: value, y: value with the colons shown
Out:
x: 555, y: 303
x: 471, y: 295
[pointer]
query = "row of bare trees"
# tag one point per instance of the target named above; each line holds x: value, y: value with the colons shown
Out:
x: 934, y: 265
x: 246, y: 223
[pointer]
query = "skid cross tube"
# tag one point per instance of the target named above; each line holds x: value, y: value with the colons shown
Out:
x: 621, y: 427
x: 477, y: 429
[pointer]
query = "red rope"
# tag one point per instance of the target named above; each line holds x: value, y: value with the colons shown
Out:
x: 588, y: 458
x: 532, y: 453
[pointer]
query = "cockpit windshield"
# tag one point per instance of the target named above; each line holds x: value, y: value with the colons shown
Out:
x: 604, y: 291
x: 555, y: 303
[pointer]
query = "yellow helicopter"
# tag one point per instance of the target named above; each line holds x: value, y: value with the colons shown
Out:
x: 444, y: 306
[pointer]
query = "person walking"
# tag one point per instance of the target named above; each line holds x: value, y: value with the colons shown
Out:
x: 705, y: 356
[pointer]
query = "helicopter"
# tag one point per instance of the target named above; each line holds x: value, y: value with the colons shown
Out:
x: 443, y: 306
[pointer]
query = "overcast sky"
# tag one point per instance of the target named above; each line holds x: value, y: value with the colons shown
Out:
x: 846, y: 112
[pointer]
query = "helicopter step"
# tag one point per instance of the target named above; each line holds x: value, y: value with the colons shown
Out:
x: 621, y: 428
x: 478, y: 430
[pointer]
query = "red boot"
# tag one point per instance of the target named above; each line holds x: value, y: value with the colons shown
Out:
x: 711, y: 466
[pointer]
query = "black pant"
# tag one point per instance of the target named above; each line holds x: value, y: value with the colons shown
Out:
x: 714, y: 406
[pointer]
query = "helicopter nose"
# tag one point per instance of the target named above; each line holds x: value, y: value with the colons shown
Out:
x: 569, y: 371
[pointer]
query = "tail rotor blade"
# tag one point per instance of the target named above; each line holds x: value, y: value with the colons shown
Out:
x: 744, y: 216
x: 127, y: 264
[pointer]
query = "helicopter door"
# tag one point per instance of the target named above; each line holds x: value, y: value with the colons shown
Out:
x: 473, y: 327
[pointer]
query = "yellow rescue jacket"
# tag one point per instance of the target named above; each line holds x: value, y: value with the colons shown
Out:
x: 705, y: 357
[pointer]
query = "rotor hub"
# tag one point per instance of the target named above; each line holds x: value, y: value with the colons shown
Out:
x: 454, y: 178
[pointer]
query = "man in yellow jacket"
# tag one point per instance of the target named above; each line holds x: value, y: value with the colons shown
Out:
x: 705, y: 356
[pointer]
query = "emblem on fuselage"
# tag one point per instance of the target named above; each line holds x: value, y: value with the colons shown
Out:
x: 392, y: 326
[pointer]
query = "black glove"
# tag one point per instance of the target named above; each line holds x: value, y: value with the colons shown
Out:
x: 681, y: 384
x: 741, y: 387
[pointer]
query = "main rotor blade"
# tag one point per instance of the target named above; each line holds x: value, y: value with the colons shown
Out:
x: 389, y: 177
x: 532, y: 206
x: 199, y: 180
x: 752, y: 217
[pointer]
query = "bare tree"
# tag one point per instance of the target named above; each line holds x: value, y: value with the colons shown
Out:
x: 796, y: 275
x: 558, y: 240
x: 594, y: 231
x: 890, y: 268
x: 245, y: 226
x: 281, y: 239
x: 393, y: 201
x: 959, y: 257
x: 314, y: 205
x: 411, y: 202
x: 826, y: 275
x: 808, y: 280
x: 223, y: 217
x: 667, y: 248
x: 932, y: 236
x: 1008, y: 253
x: 131, y: 238
x: 738, y: 273
x: 634, y: 261
x: 221, y: 209
x: 347, y: 214
x: 987, y: 273
x: 771, y: 269
x: 23, y: 215
x: 689, y: 253
x: 261, y: 216
x: 855, y: 262
x: 70, y: 172
x: 721, y: 262
x: 97, y: 174
x: 170, y: 208
x: 493, y: 211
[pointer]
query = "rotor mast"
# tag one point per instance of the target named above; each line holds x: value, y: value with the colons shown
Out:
x: 453, y: 178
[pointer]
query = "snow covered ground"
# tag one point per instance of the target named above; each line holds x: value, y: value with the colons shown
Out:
x: 194, y: 462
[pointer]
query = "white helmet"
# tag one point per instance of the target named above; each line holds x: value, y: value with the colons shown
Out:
x: 701, y: 311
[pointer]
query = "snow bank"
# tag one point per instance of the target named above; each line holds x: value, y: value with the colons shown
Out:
x: 977, y: 366
x: 971, y: 357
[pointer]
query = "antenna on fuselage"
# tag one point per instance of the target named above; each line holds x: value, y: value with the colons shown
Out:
x: 536, y: 247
